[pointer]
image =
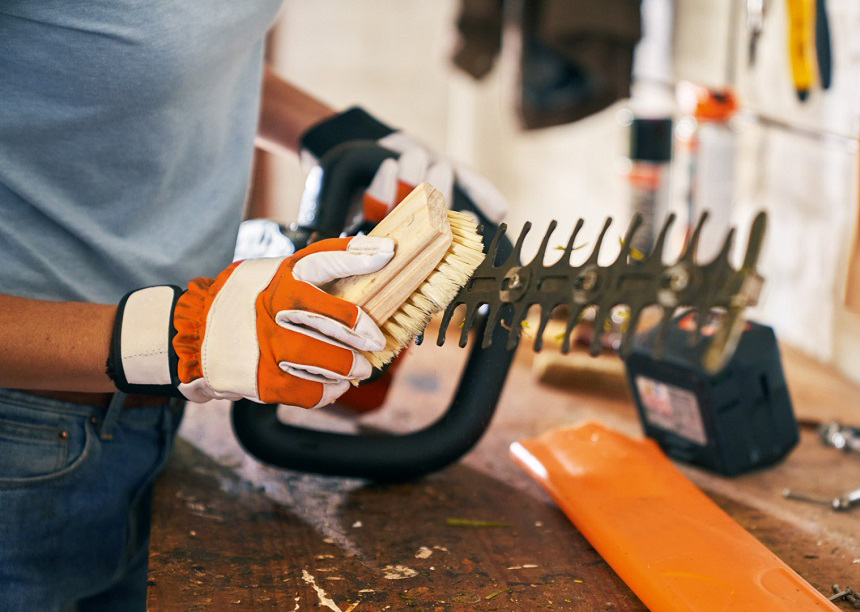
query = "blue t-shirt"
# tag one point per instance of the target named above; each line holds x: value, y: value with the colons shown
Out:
x: 126, y: 141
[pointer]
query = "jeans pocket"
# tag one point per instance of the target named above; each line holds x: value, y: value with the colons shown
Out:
x: 37, y: 446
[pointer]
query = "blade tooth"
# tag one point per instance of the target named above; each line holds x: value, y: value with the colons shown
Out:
x: 541, y: 253
x: 572, y: 320
x: 514, y: 258
x: 756, y: 238
x: 630, y: 332
x: 516, y: 325
x: 627, y: 245
x: 596, y: 251
x: 493, y: 250
x: 601, y: 318
x: 692, y: 245
x: 660, y: 243
x: 446, y: 321
x: 660, y: 338
x: 727, y: 246
x: 492, y: 320
x: 545, y: 315
x: 468, y: 321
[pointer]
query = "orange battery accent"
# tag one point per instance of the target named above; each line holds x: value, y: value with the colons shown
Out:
x: 673, y: 546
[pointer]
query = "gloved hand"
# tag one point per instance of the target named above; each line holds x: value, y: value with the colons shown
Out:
x: 261, y: 330
x: 396, y: 178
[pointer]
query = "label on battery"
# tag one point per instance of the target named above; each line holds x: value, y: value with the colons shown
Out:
x: 671, y: 408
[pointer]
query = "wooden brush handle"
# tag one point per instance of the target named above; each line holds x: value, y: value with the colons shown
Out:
x: 422, y: 235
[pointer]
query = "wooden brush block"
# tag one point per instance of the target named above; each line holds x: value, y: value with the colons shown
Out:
x: 421, y: 233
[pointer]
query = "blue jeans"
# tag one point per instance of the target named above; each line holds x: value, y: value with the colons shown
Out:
x: 75, y: 496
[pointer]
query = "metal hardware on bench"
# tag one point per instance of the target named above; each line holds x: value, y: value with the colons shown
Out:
x: 842, y: 437
x: 513, y: 288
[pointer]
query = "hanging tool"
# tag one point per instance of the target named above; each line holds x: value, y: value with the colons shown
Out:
x: 755, y: 25
x: 840, y: 503
x: 801, y: 45
x: 823, y: 49
x: 507, y: 288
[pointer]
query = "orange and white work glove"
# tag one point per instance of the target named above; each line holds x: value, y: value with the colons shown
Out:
x: 261, y: 330
x: 395, y: 178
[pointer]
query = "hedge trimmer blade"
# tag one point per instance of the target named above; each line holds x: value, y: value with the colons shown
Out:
x: 509, y: 289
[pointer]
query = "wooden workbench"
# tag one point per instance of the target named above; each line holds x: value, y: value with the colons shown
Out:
x: 231, y: 534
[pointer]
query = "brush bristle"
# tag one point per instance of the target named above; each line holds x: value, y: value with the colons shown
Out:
x: 456, y: 268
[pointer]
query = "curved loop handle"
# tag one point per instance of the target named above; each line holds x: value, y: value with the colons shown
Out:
x: 384, y: 458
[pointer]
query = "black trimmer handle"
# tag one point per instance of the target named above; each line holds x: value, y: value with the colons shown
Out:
x: 398, y: 457
x: 343, y: 174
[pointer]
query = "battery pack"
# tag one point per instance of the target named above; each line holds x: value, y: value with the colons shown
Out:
x: 731, y: 422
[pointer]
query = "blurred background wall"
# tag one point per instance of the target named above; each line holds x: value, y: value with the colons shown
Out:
x: 797, y: 160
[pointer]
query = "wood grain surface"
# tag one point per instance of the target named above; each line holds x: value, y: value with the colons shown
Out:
x: 229, y: 533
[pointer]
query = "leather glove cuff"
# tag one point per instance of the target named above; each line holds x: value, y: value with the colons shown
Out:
x: 352, y: 124
x: 141, y: 358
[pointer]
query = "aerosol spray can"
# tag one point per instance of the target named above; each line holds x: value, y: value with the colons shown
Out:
x: 708, y: 138
x: 650, y: 156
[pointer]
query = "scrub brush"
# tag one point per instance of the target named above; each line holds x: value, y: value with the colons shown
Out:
x: 436, y: 252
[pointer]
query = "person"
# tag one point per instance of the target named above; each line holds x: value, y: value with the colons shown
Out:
x: 127, y: 132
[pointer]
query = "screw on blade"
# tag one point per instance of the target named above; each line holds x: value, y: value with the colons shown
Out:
x: 523, y: 275
x: 512, y: 260
x: 608, y: 299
